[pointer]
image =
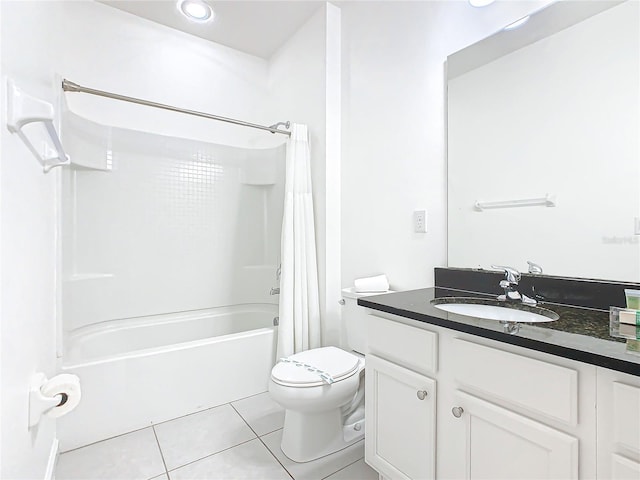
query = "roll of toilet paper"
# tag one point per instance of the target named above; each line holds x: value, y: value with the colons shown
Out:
x: 66, y: 385
x: 379, y: 283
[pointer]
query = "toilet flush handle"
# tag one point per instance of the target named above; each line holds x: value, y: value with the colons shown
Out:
x: 341, y: 301
x: 422, y: 394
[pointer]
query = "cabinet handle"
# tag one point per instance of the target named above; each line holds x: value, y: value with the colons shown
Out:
x: 422, y: 394
x: 457, y: 411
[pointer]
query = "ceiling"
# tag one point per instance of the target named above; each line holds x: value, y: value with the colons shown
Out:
x: 255, y: 27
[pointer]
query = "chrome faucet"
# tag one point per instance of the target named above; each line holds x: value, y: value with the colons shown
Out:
x: 509, y: 284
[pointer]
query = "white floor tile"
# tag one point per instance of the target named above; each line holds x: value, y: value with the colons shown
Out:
x: 261, y: 413
x: 132, y: 456
x: 250, y: 460
x: 316, y: 469
x: 164, y: 476
x: 193, y: 437
x: 355, y: 471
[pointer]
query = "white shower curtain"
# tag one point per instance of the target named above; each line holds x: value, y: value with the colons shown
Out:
x: 299, y: 304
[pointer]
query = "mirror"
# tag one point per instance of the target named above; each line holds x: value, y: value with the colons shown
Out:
x: 543, y: 144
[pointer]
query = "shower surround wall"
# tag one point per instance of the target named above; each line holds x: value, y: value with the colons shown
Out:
x: 155, y: 224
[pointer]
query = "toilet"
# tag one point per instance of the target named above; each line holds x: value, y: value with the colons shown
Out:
x: 322, y: 391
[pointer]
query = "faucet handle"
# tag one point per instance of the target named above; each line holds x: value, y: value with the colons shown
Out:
x: 511, y: 274
x: 534, y: 268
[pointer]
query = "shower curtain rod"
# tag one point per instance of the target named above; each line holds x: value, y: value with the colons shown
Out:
x: 69, y: 86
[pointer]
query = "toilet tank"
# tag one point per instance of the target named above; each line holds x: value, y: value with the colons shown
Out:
x: 354, y: 318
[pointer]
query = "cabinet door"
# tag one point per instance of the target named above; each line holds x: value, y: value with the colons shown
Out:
x: 623, y: 468
x: 400, y: 428
x: 501, y: 444
x: 618, y: 426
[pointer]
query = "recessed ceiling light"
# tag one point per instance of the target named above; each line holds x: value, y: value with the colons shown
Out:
x: 481, y: 3
x: 517, y: 23
x: 196, y: 10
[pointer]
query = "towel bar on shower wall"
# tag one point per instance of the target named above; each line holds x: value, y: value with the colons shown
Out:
x: 23, y: 109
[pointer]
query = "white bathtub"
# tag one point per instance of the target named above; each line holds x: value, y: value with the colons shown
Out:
x: 142, y: 371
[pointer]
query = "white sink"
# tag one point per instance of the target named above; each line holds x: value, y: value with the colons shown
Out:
x: 495, y: 310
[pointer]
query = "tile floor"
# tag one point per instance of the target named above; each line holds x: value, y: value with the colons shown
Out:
x: 239, y: 440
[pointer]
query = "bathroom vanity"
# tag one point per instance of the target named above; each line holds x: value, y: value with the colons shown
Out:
x: 452, y: 396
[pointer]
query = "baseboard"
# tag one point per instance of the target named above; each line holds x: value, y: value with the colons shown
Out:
x: 53, y: 460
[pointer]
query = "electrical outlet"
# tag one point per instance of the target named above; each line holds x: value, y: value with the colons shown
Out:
x: 420, y: 221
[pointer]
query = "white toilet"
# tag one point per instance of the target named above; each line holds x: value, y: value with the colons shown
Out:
x: 322, y: 391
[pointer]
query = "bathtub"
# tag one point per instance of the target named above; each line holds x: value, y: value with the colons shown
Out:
x: 142, y: 371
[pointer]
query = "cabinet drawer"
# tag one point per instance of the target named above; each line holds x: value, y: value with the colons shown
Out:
x: 530, y: 385
x: 408, y: 346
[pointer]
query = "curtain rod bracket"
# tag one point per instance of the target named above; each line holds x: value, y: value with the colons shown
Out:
x: 275, y: 126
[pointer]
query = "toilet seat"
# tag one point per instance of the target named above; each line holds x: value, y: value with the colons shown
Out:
x: 304, y: 369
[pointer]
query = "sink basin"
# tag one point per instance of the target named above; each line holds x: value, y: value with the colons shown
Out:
x: 490, y: 309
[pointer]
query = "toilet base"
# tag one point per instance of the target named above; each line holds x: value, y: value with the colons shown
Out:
x: 328, y: 434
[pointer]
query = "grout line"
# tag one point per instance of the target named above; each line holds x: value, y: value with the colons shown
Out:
x: 208, y: 408
x: 158, y: 476
x: 277, y: 459
x: 273, y: 431
x: 106, y: 439
x: 160, y: 448
x: 346, y: 466
x: 267, y: 433
x: 164, y: 421
x: 210, y: 455
x: 189, y: 414
x: 254, y: 395
x: 243, y: 419
x: 262, y: 441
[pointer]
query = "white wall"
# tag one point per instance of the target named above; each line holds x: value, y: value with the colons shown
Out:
x: 28, y: 239
x: 394, y: 130
x: 549, y: 118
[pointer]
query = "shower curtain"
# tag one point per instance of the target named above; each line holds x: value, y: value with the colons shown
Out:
x: 299, y: 303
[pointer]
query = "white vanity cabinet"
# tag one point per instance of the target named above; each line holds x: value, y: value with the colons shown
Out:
x: 509, y: 416
x: 400, y: 411
x: 501, y: 444
x: 618, y: 425
x: 401, y: 400
x: 499, y: 411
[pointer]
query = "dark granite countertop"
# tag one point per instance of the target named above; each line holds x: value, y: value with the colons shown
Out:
x: 579, y: 334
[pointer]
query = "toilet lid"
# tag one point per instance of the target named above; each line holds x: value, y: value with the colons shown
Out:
x: 303, y: 369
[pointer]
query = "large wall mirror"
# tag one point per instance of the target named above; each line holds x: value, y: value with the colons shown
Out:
x: 543, y: 144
